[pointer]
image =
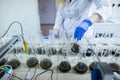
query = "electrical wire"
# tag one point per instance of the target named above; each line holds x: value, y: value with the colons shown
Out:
x: 93, y: 51
x: 3, y: 70
x: 7, y: 66
x: 15, y: 76
x: 57, y: 68
x: 34, y: 73
x: 11, y: 26
x: 45, y: 72
x: 9, y: 73
x: 24, y: 42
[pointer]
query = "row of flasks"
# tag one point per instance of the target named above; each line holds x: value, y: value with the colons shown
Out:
x: 63, y: 66
x: 74, y: 50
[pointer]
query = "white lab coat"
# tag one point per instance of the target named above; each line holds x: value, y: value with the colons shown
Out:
x: 70, y: 16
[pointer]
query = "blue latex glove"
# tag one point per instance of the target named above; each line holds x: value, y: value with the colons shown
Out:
x: 53, y: 36
x: 81, y: 29
x: 96, y: 75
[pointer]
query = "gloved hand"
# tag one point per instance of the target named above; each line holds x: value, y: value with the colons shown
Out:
x: 81, y: 29
x: 53, y: 36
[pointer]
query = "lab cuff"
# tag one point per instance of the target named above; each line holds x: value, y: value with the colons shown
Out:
x: 85, y: 24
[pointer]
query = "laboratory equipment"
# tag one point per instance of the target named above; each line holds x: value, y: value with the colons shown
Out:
x: 115, y: 67
x: 52, y: 50
x: 75, y: 48
x: 105, y: 71
x: 6, y: 72
x: 64, y: 61
x: 3, y: 61
x: 64, y: 66
x: 93, y: 65
x: 18, y: 50
x: 40, y: 50
x: 81, y: 67
x: 62, y: 51
x: 14, y: 63
x: 89, y: 52
x: 46, y: 63
x: 32, y: 62
x: 8, y: 46
x: 58, y: 56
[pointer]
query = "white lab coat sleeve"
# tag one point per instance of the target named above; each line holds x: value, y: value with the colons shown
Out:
x: 59, y: 19
x: 103, y: 8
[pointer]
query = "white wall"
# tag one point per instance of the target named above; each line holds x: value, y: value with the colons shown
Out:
x: 24, y: 11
